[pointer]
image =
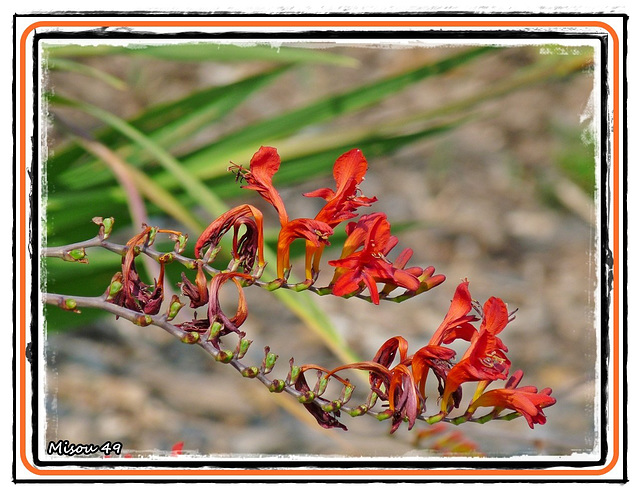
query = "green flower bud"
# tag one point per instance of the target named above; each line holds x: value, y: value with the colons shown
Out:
x: 358, y: 411
x: 277, y: 386
x: 191, y: 338
x: 274, y: 284
x: 307, y: 397
x: 251, y: 372
x: 106, y: 226
x: 332, y: 406
x: 384, y: 415
x: 152, y: 235
x: 322, y: 385
x: 293, y: 374
x: 269, y: 361
x: 166, y: 258
x: 224, y: 356
x: 243, y: 347
x: 79, y: 255
x: 214, y: 331
x: 181, y: 242
x: 346, y: 393
x: 174, y: 306
x: 143, y: 320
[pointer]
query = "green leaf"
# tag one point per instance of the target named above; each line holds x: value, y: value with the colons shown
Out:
x: 87, y: 70
x: 210, y: 51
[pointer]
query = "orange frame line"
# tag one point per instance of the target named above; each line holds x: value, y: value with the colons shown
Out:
x: 325, y: 472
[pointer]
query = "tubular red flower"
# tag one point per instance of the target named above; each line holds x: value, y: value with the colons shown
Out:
x: 246, y: 215
x: 403, y: 397
x: 524, y: 400
x: 456, y: 323
x: 368, y: 266
x: 263, y: 166
x: 485, y: 358
x: 315, y: 232
x: 348, y: 171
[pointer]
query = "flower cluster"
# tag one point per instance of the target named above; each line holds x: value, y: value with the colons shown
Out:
x: 396, y: 378
x: 403, y: 385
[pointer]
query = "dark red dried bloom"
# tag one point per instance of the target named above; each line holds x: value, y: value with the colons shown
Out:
x: 325, y: 419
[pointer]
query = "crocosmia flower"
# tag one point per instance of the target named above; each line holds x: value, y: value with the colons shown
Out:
x: 485, y: 359
x: 263, y: 166
x: 524, y: 400
x: 363, y: 262
x: 348, y: 171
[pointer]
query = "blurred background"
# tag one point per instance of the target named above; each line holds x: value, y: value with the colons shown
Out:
x: 483, y: 158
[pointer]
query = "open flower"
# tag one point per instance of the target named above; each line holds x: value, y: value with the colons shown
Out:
x: 263, y: 166
x: 526, y: 401
x: 485, y: 359
x: 363, y: 262
x: 457, y: 322
x: 315, y: 232
x: 348, y: 171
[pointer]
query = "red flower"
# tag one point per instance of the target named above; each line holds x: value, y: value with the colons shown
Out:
x: 263, y: 166
x: 248, y: 246
x: 485, y: 358
x: 404, y: 401
x: 524, y: 400
x: 315, y: 232
x: 368, y: 266
x: 456, y: 323
x: 135, y: 294
x: 348, y: 171
x: 197, y: 293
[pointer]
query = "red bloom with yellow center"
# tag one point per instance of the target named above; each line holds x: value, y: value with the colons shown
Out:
x: 485, y: 358
x: 526, y: 401
x: 357, y: 269
x: 348, y: 171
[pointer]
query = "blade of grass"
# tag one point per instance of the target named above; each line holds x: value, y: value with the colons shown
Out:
x: 86, y: 70
x: 169, y: 124
x: 210, y: 51
x: 240, y: 145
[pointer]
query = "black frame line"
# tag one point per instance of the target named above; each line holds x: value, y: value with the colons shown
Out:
x: 421, y: 33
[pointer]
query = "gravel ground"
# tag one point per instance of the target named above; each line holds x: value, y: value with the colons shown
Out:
x: 476, y: 193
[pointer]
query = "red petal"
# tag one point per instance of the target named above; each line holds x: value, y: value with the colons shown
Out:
x: 350, y: 165
x: 324, y: 193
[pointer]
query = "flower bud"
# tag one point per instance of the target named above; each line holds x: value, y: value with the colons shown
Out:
x: 79, y: 255
x: 358, y: 411
x: 166, y: 258
x: 224, y: 356
x: 191, y: 338
x: 106, y: 225
x: 307, y: 397
x: 277, y: 386
x: 321, y: 386
x: 294, y: 373
x: 243, y: 347
x: 143, y: 320
x: 174, y: 306
x: 269, y: 361
x: 251, y: 372
x: 332, y: 406
x: 152, y: 236
x: 346, y: 393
